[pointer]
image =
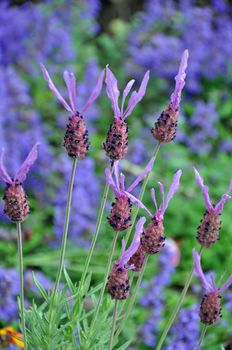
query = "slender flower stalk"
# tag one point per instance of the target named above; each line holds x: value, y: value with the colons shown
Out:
x: 177, y: 307
x: 203, y: 332
x: 113, y: 325
x: 95, y: 235
x: 22, y: 306
x: 63, y: 244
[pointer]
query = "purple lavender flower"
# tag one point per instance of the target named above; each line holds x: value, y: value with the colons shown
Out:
x: 164, y: 129
x: 120, y: 215
x: 16, y: 204
x: 116, y: 144
x: 9, y: 289
x: 118, y: 283
x: 210, y: 310
x: 184, y: 334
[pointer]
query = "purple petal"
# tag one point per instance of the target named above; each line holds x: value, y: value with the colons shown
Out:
x: 25, y: 167
x: 226, y: 285
x: 122, y: 182
x: 112, y: 91
x: 173, y: 188
x: 220, y: 205
x: 180, y: 81
x: 136, y: 97
x: 161, y: 188
x: 96, y: 92
x: 126, y: 92
x: 204, y: 189
x: 54, y: 89
x: 110, y: 181
x: 138, y: 203
x: 70, y: 81
x: 116, y: 174
x: 199, y: 272
x: 154, y: 198
x: 146, y: 171
x: 127, y: 254
x: 3, y: 173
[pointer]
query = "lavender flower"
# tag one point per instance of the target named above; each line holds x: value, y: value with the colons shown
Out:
x: 120, y: 216
x: 118, y: 283
x: 164, y: 129
x: 210, y: 310
x: 209, y: 227
x: 76, y: 137
x: 116, y: 144
x: 153, y: 236
x: 9, y: 290
x: 16, y: 204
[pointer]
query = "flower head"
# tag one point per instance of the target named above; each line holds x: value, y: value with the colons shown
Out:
x: 160, y: 210
x: 24, y: 169
x: 127, y: 254
x: 208, y: 284
x: 70, y: 81
x: 9, y: 336
x: 113, y: 94
x: 180, y: 82
x: 218, y: 208
x: 118, y: 185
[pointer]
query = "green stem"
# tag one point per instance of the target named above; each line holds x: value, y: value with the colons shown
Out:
x: 113, y: 325
x: 64, y: 242
x: 22, y: 307
x: 203, y: 332
x: 144, y: 185
x: 108, y: 267
x: 95, y: 236
x: 132, y: 299
x: 177, y: 307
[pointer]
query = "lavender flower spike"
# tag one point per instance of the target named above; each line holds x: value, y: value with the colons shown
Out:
x: 153, y: 236
x: 118, y: 283
x: 209, y: 227
x: 120, y: 215
x: 165, y: 127
x: 116, y: 144
x: 76, y: 136
x: 210, y: 310
x: 16, y: 204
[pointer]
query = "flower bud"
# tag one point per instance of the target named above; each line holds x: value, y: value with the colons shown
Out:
x: 16, y: 205
x: 116, y: 144
x: 152, y: 239
x: 76, y: 137
x: 165, y: 127
x: 120, y: 215
x: 210, y: 310
x: 118, y: 283
x: 208, y: 230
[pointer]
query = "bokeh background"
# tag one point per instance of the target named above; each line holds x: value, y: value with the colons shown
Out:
x: 132, y: 36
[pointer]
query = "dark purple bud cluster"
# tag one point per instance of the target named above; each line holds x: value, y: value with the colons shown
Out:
x: 120, y: 215
x: 118, y: 283
x: 165, y: 127
x: 153, y: 238
x: 208, y: 229
x: 137, y: 259
x: 116, y: 144
x: 210, y: 310
x: 16, y: 205
x: 76, y: 137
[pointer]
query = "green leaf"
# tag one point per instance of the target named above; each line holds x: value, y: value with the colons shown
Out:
x: 40, y: 287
